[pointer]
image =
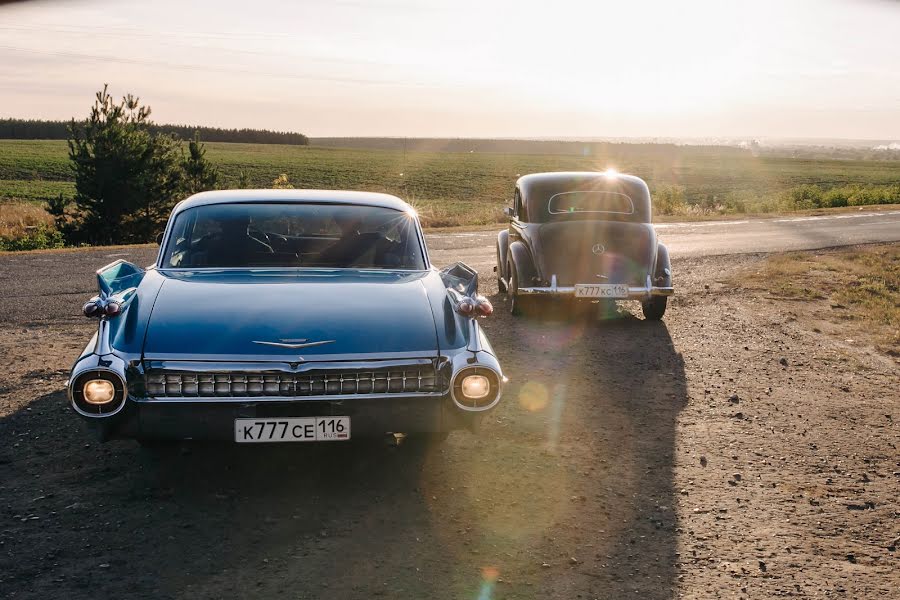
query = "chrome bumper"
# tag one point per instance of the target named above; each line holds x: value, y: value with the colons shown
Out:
x: 634, y: 293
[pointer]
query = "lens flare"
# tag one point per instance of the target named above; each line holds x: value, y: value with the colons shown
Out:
x: 533, y: 396
x: 489, y: 576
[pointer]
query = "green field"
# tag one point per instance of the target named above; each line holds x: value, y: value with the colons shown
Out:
x: 470, y: 188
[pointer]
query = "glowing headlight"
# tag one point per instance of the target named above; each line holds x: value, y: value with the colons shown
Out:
x: 476, y: 386
x: 98, y: 391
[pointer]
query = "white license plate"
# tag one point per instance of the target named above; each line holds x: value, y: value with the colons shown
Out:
x: 294, y: 429
x: 601, y: 290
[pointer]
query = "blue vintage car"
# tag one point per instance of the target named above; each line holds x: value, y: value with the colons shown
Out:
x: 286, y: 316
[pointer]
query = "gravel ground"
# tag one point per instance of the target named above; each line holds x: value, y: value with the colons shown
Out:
x: 728, y: 452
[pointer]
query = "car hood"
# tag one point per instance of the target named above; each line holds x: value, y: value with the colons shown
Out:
x: 223, y: 315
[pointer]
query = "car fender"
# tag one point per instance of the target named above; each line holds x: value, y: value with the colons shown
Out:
x: 502, y: 252
x: 522, y: 262
x: 663, y: 272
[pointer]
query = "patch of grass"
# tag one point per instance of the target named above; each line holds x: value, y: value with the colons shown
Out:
x: 858, y: 285
x: 27, y: 226
x: 34, y: 190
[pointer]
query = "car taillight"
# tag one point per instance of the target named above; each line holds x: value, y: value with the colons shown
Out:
x: 91, y: 309
x: 479, y: 306
x: 466, y: 307
x: 483, y: 306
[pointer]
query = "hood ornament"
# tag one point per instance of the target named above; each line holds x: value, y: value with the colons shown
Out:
x: 294, y: 343
x: 598, y: 249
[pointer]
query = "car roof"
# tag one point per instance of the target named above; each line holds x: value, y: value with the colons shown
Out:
x: 538, y: 188
x: 565, y: 179
x: 293, y: 196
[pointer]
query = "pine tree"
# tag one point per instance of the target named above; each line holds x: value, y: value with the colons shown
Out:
x: 127, y: 178
x: 199, y: 174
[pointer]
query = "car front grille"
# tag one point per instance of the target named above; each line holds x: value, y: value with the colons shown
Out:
x: 418, y: 379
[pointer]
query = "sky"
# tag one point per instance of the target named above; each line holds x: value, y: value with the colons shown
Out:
x: 468, y: 68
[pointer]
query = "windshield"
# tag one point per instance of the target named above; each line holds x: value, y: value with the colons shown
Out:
x: 294, y: 235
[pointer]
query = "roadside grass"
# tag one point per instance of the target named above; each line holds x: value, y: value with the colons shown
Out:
x: 26, y: 226
x: 18, y: 218
x: 858, y: 286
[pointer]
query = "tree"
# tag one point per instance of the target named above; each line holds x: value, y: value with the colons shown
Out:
x: 127, y: 178
x: 199, y: 174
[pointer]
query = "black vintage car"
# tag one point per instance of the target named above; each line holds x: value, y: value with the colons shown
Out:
x: 585, y: 236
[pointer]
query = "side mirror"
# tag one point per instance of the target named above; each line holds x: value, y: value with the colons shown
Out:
x: 508, y: 211
x: 159, y: 237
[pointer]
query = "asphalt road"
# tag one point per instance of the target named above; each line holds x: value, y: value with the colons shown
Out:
x: 711, y: 238
x: 41, y: 285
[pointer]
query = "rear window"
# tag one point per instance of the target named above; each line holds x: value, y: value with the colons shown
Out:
x: 591, y: 202
x: 294, y: 235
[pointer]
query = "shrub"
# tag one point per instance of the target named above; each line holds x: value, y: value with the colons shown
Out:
x: 38, y: 237
x: 839, y: 196
x: 804, y: 197
x: 669, y: 200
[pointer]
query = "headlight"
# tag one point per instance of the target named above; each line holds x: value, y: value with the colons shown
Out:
x: 476, y: 387
x: 98, y: 391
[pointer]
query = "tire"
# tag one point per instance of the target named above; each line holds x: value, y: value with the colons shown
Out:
x: 501, y: 285
x: 654, y: 308
x: 518, y: 306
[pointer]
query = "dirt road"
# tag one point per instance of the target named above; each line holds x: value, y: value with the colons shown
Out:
x: 728, y: 452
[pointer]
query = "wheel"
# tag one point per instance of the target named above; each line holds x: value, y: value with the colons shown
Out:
x: 518, y: 306
x: 654, y: 308
x: 501, y: 285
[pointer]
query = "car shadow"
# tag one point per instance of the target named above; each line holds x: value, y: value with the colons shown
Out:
x: 603, y: 390
x: 567, y: 490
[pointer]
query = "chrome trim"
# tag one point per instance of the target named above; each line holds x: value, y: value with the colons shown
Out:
x: 280, y: 270
x: 303, y: 344
x: 252, y: 399
x: 298, y: 380
x: 282, y: 366
x: 71, y: 398
x: 474, y: 344
x: 273, y: 361
x: 479, y: 408
x: 634, y: 293
x: 103, y: 346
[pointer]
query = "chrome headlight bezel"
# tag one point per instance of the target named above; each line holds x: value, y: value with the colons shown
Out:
x: 486, y: 402
x: 88, y: 409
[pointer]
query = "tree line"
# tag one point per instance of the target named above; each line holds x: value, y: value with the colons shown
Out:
x: 37, y: 129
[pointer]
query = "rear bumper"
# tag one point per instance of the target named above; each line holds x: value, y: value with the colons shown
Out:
x: 634, y: 293
x: 184, y: 419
